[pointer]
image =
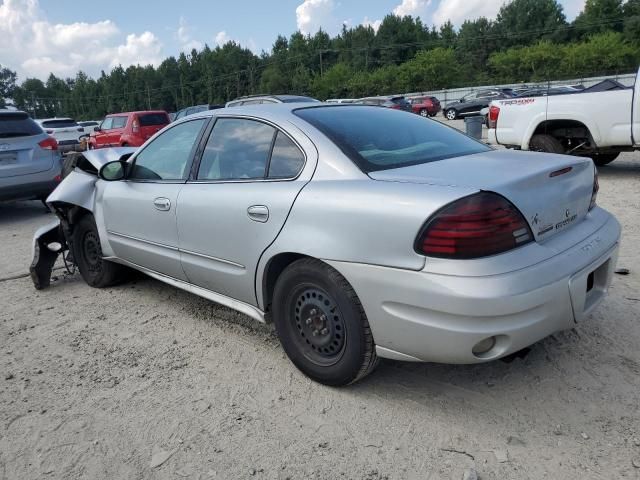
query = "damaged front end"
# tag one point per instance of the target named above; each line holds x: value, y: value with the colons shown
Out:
x: 73, y: 198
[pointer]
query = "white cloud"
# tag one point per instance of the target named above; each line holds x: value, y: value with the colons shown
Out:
x: 36, y: 47
x: 460, y: 10
x: 375, y: 24
x: 222, y: 38
x: 415, y: 8
x: 185, y: 37
x: 312, y: 15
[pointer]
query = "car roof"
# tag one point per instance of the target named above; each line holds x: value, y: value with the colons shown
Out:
x: 55, y: 118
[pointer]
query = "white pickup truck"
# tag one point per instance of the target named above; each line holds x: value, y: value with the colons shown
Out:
x: 599, y: 125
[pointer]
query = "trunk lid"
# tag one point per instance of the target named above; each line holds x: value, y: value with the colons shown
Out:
x: 553, y: 192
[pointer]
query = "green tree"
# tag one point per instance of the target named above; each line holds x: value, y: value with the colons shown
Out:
x: 7, y: 84
x: 599, y: 16
x: 525, y: 22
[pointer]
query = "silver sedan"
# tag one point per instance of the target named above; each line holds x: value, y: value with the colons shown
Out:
x: 361, y: 232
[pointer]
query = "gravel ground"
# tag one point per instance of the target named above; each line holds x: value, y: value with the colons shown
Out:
x: 146, y: 381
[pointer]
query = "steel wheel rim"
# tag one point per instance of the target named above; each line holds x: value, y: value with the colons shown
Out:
x: 319, y: 330
x: 91, y: 251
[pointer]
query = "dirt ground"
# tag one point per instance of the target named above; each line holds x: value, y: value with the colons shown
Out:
x: 146, y: 381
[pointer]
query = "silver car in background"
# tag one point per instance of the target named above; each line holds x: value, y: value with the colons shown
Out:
x: 361, y: 232
x: 30, y: 163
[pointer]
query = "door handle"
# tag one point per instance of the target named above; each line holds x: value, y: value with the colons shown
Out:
x: 258, y: 213
x: 162, y: 203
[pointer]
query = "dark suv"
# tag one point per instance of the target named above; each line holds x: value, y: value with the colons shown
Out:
x: 195, y: 109
x: 472, y: 103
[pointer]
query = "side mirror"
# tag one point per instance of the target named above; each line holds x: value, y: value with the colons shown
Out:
x: 462, y: 100
x: 97, y: 129
x: 113, y: 171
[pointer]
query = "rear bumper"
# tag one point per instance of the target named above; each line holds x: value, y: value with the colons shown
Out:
x: 423, y: 316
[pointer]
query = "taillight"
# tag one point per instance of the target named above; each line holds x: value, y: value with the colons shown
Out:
x: 136, y: 126
x: 596, y: 188
x: 49, y: 144
x: 494, y: 113
x: 477, y: 226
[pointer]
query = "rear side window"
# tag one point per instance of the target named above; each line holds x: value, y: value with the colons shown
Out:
x: 286, y: 159
x: 18, y: 125
x: 153, y: 119
x: 237, y: 149
x: 119, y: 122
x: 64, y: 123
x: 381, y: 139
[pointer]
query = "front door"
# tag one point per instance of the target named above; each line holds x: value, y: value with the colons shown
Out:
x: 246, y: 183
x: 140, y: 212
x: 102, y: 136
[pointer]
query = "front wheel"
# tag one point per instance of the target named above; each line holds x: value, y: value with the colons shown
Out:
x: 451, y: 114
x: 87, y: 254
x: 322, y: 325
x: 424, y: 112
x: 545, y: 143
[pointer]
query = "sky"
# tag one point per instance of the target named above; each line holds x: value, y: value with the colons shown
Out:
x: 64, y: 36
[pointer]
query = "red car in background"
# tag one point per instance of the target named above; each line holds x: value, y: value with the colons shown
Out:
x: 129, y: 129
x: 425, y: 106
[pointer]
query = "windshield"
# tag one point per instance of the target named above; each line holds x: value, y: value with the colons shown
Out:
x: 381, y: 138
x: 18, y: 125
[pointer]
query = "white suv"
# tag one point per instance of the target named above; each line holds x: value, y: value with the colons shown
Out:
x: 66, y: 131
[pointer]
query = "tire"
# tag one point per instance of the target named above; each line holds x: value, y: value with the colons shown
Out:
x: 602, y: 159
x: 309, y: 297
x: 87, y: 253
x: 545, y: 143
x: 424, y: 112
x: 451, y: 114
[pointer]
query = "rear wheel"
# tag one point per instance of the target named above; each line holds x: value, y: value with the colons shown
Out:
x: 322, y: 325
x: 451, y: 114
x: 545, y: 143
x: 602, y: 159
x: 87, y: 253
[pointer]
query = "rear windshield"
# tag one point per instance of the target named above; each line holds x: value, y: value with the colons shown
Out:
x: 18, y: 125
x: 382, y: 138
x: 151, y: 119
x: 62, y: 123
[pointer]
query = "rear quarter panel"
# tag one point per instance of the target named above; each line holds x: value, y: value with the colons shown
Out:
x: 361, y: 221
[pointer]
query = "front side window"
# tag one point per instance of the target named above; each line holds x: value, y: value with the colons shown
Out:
x: 383, y: 138
x: 119, y: 122
x: 106, y: 124
x: 237, y: 149
x: 167, y: 157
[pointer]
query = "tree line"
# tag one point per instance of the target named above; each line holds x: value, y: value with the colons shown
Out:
x: 529, y: 41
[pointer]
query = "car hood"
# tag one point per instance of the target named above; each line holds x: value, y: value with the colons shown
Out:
x: 552, y: 191
x: 99, y: 157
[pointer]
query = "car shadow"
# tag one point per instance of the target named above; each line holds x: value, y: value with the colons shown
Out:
x: 16, y: 212
x: 621, y: 168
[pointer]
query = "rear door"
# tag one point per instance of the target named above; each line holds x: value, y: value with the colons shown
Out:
x: 140, y: 212
x: 236, y: 204
x: 20, y: 153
